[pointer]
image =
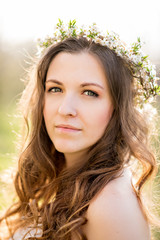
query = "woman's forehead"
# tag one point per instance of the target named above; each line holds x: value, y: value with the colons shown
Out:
x: 81, y: 66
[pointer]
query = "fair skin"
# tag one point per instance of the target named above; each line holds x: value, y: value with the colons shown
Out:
x: 115, y: 213
x: 77, y: 106
x: 77, y: 109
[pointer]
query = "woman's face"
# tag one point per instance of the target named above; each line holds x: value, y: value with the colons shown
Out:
x: 77, y: 106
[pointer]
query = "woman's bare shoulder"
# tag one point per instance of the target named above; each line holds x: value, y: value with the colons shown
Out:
x: 115, y: 213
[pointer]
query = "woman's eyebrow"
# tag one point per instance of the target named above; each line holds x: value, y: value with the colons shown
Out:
x: 54, y: 81
x: 91, y: 84
x: 82, y: 85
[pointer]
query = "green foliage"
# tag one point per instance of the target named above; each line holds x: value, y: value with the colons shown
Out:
x: 14, y: 62
x: 72, y: 24
x: 8, y: 128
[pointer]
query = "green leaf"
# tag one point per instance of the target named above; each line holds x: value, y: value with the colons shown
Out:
x: 72, y: 23
x: 138, y: 39
x: 145, y: 57
x: 59, y: 24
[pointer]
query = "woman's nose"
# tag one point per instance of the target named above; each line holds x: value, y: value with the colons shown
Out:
x: 68, y: 106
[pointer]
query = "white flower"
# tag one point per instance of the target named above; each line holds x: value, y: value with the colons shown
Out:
x: 153, y: 71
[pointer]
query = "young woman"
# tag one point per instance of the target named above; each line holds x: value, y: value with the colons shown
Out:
x: 74, y: 178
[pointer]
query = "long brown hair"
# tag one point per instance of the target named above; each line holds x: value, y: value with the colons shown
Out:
x: 52, y: 198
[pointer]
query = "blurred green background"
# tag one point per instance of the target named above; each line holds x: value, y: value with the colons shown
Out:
x: 14, y: 63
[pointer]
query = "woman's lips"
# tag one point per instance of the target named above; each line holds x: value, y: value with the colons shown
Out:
x: 67, y: 128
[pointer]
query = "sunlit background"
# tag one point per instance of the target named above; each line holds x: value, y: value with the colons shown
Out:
x: 23, y: 21
x: 28, y: 19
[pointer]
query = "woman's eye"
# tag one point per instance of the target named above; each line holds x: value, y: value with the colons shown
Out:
x: 90, y: 93
x: 55, y: 89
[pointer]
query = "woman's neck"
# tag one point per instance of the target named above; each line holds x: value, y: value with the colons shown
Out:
x: 75, y: 159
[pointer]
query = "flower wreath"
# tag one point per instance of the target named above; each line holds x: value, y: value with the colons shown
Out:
x: 143, y: 70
